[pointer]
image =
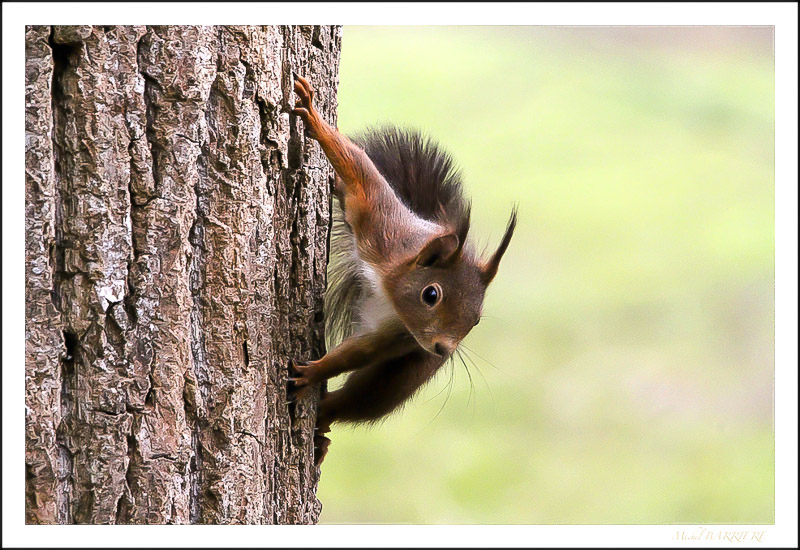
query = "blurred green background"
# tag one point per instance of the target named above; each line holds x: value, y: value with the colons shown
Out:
x: 624, y: 368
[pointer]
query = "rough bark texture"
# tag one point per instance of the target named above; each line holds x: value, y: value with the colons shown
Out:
x: 176, y: 244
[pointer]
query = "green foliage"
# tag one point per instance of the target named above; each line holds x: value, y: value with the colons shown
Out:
x: 626, y: 354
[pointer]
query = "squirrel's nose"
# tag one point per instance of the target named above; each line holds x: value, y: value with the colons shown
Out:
x: 442, y: 349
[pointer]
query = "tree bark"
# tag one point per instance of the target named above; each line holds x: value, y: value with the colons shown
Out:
x: 176, y: 243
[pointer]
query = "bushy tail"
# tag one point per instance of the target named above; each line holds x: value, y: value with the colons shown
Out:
x: 422, y: 174
x: 345, y: 283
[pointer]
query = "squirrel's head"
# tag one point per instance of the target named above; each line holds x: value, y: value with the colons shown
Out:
x: 438, y: 294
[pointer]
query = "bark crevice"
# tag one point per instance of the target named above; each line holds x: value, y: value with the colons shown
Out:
x: 200, y: 379
x: 65, y: 454
x: 61, y: 54
x: 151, y: 87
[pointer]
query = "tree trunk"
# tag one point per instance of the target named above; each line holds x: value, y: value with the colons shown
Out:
x: 176, y: 244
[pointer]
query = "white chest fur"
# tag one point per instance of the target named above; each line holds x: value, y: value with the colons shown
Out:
x: 375, y: 308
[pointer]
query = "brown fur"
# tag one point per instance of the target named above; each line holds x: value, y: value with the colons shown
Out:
x: 411, y: 233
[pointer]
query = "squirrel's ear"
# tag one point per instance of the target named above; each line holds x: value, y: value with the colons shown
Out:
x: 489, y: 269
x: 438, y: 251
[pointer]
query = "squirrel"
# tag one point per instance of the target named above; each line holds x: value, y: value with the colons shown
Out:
x: 407, y: 287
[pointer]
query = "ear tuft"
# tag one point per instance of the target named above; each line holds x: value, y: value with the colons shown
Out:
x: 489, y: 269
x: 438, y: 251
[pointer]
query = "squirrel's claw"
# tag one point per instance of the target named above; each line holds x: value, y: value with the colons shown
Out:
x: 304, y: 106
x: 304, y: 92
x: 304, y: 89
x: 301, y: 112
x: 304, y: 370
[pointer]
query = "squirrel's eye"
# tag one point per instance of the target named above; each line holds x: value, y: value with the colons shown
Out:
x: 431, y: 294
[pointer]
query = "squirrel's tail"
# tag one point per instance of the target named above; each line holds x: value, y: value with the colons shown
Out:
x: 345, y: 282
x: 422, y: 174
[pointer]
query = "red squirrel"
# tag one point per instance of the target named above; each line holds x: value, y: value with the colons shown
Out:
x: 407, y: 287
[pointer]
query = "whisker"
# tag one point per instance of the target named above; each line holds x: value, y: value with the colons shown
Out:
x: 447, y: 397
x: 477, y: 368
x: 471, y: 383
x: 471, y: 359
x: 438, y: 393
x: 481, y: 357
x: 492, y: 317
x: 472, y: 393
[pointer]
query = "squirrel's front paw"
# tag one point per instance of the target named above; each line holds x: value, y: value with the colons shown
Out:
x: 305, y: 372
x: 305, y: 94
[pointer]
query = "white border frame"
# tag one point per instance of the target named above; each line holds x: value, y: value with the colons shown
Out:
x: 782, y: 15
